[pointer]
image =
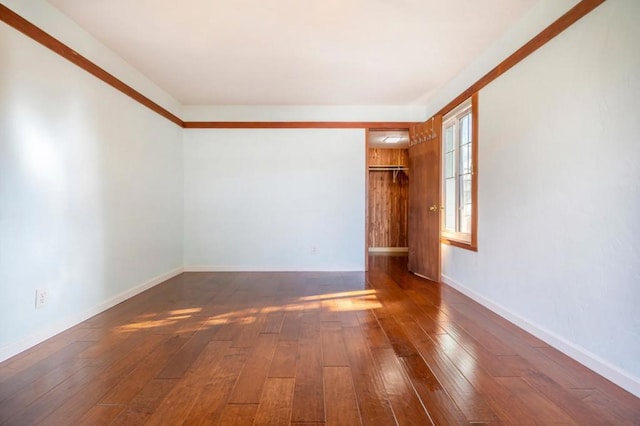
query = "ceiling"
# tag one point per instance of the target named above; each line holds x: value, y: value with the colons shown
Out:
x: 376, y: 139
x: 297, y: 52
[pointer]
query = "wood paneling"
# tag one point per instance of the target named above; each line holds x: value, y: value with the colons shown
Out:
x: 424, y: 199
x: 415, y: 354
x: 388, y: 199
x: 388, y: 157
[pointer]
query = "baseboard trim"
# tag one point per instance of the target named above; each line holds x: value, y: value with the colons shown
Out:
x: 578, y: 353
x: 30, y: 341
x: 268, y: 268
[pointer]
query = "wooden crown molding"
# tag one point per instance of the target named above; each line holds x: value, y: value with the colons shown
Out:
x: 30, y: 30
x: 559, y: 25
x: 35, y: 33
x: 295, y: 125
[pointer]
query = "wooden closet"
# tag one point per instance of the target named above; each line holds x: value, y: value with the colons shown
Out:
x: 388, y: 191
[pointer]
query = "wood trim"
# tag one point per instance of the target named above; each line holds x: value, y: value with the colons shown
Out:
x: 366, y: 199
x: 558, y: 26
x: 459, y: 244
x: 40, y: 36
x: 424, y: 223
x: 295, y: 125
x: 30, y: 30
x: 475, y: 124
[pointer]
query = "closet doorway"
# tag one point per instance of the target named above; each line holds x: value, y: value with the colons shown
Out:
x: 387, y: 191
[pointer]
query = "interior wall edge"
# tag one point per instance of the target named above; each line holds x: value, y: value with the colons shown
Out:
x: 33, y: 339
x: 616, y: 375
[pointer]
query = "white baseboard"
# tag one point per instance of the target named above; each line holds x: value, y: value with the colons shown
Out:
x: 268, y: 268
x: 581, y: 355
x: 13, y: 349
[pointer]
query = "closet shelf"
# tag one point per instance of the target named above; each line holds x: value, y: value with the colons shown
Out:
x: 388, y: 168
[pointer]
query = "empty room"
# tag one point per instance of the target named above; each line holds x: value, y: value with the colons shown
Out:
x: 401, y: 212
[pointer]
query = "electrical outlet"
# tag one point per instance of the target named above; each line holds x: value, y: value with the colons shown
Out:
x: 42, y: 297
x: 314, y: 249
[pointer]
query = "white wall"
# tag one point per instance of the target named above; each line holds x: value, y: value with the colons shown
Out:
x: 46, y: 17
x: 382, y: 113
x: 559, y: 194
x: 540, y: 16
x: 262, y: 199
x: 90, y: 193
x: 92, y: 190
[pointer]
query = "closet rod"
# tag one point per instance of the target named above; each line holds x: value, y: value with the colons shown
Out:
x: 387, y: 168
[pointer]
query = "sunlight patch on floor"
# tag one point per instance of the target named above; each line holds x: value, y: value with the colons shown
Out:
x: 347, y: 301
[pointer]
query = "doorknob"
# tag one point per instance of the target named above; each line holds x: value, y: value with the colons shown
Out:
x: 434, y: 208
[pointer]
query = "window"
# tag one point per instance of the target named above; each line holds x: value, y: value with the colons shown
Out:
x: 460, y: 174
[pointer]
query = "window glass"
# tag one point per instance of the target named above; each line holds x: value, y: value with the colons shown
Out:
x: 450, y: 204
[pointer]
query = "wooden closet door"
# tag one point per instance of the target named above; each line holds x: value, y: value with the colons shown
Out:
x: 424, y: 200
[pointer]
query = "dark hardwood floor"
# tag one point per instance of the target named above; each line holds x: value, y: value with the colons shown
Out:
x: 379, y: 348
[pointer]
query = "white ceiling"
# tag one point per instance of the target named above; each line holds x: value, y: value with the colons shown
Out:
x: 376, y: 139
x: 297, y: 52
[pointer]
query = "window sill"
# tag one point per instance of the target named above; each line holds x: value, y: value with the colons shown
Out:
x: 460, y: 244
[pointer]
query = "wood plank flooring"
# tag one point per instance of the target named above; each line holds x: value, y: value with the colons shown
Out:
x: 376, y: 348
